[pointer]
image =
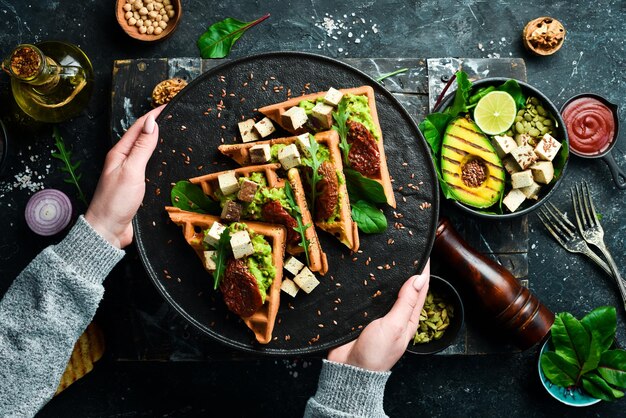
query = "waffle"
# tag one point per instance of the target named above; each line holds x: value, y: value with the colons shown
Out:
x: 317, y: 257
x: 275, y: 112
x: 262, y: 321
x: 345, y: 229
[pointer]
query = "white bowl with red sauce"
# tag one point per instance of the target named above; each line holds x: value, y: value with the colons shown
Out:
x: 592, y: 129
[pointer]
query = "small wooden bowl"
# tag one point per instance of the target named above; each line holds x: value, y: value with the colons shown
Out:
x: 133, y: 31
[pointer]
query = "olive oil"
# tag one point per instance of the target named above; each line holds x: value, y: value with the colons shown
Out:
x: 51, y: 81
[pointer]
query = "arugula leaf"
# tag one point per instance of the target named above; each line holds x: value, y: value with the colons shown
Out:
x: 391, y: 74
x: 341, y: 119
x: 65, y: 155
x: 461, y: 97
x: 223, y: 252
x: 314, y: 176
x: 190, y: 197
x: 613, y: 367
x: 513, y: 88
x: 363, y: 188
x: 220, y: 37
x: 604, y: 321
x: 297, y: 214
x: 570, y: 338
x: 558, y: 370
x: 369, y: 218
x: 599, y: 388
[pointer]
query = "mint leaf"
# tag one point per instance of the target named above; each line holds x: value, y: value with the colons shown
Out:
x: 220, y: 37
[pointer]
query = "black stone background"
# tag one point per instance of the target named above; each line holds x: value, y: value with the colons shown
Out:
x: 592, y: 59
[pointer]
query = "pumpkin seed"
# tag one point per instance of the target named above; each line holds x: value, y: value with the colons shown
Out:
x: 434, y: 319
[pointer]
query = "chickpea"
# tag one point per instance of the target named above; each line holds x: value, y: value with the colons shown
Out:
x: 157, y: 30
x: 136, y: 15
x: 162, y: 24
x: 139, y: 23
x: 142, y: 29
x: 165, y: 19
x: 166, y: 2
x: 158, y: 18
x: 128, y: 15
x: 158, y: 6
x: 127, y: 7
x: 132, y: 21
x: 143, y: 11
x: 150, y: 30
x: 155, y: 24
x: 153, y: 14
x: 147, y: 22
x: 169, y: 7
x: 171, y: 14
x: 150, y: 7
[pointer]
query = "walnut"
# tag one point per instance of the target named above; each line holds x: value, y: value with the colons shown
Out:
x: 543, y: 36
x: 166, y: 90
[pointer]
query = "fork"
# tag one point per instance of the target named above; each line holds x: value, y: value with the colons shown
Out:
x: 565, y: 233
x: 592, y: 231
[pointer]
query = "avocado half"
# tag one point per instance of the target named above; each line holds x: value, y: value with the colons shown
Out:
x: 470, y: 165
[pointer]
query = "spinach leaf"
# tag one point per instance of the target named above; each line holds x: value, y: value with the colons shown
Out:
x: 433, y: 129
x: 558, y: 370
x: 513, y: 88
x: 571, y: 340
x: 604, y: 321
x: 220, y: 37
x: 598, y: 388
x: 613, y: 367
x: 188, y: 196
x: 368, y: 217
x: 461, y: 97
x: 223, y: 252
x: 363, y: 188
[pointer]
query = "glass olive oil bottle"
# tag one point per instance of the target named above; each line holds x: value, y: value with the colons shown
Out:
x: 51, y: 81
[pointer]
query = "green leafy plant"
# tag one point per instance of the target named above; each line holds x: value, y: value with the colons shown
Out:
x: 368, y: 217
x: 220, y: 37
x: 190, y: 197
x: 222, y: 253
x: 363, y: 188
x: 301, y: 228
x: 314, y: 176
x: 582, y: 354
x: 391, y: 74
x: 341, y: 126
x: 71, y: 169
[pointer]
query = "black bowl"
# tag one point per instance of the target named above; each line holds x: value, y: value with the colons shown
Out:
x: 3, y: 146
x: 446, y: 291
x: 561, y: 135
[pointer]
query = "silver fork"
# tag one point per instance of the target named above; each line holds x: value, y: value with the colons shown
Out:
x: 592, y: 231
x: 565, y: 233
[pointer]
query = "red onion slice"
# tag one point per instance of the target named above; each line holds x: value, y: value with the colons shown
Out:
x: 48, y: 212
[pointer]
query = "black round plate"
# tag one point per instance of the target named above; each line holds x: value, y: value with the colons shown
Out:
x: 358, y: 287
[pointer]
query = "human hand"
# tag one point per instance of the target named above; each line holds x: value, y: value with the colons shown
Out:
x: 122, y: 184
x: 384, y: 340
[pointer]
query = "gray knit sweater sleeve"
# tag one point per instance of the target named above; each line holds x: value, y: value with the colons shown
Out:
x: 347, y: 391
x: 44, y: 312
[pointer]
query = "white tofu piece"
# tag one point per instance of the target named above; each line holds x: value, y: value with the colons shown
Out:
x: 304, y: 144
x: 241, y: 244
x: 294, y: 118
x: 209, y: 263
x: 228, y: 183
x: 523, y: 139
x: 246, y: 129
x: 547, y: 148
x: 524, y: 156
x: 532, y: 191
x: 333, y: 97
x: 264, y: 127
x: 510, y: 165
x: 260, y: 153
x: 293, y: 265
x: 514, y: 199
x: 522, y: 179
x: 324, y: 114
x: 289, y: 156
x: 543, y: 171
x: 289, y: 287
x: 306, y: 280
x: 503, y: 145
x: 215, y: 232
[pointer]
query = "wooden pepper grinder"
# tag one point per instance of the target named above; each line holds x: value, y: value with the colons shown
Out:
x: 514, y: 309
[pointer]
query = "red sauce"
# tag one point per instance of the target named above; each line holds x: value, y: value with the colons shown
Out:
x: 590, y: 125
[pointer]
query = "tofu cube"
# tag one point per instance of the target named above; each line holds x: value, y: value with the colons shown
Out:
x: 510, y: 165
x: 247, y: 190
x: 333, y: 97
x: 209, y: 263
x: 532, y: 191
x: 228, y: 183
x: 289, y: 287
x: 294, y: 118
x: 260, y: 153
x: 543, y: 171
x: 289, y: 156
x: 323, y: 113
x: 246, y: 129
x: 264, y: 127
x: 503, y: 145
x: 514, y: 199
x: 304, y: 144
x: 241, y: 244
x: 547, y: 148
x: 231, y: 211
x: 522, y: 179
x: 306, y: 280
x: 524, y: 139
x: 524, y: 156
x: 215, y: 232
x: 293, y: 265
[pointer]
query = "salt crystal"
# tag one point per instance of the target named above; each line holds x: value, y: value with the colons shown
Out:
x: 357, y: 41
x: 350, y: 35
x: 340, y: 50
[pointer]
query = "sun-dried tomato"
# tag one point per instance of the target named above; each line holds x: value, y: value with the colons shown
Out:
x: 364, y: 156
x: 240, y: 289
x: 327, y: 192
x: 274, y: 212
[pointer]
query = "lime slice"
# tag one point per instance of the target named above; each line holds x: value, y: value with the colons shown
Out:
x: 495, y: 113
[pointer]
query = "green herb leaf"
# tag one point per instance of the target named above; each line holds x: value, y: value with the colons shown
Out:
x: 341, y: 126
x: 513, y: 88
x: 558, y: 370
x: 363, y: 188
x: 461, y: 97
x: 595, y: 352
x: 570, y: 338
x: 433, y: 129
x: 604, y: 321
x: 480, y: 93
x: 301, y: 228
x: 391, y: 74
x: 65, y: 155
x: 559, y: 161
x: 188, y: 196
x: 597, y: 387
x: 220, y: 37
x: 369, y: 218
x: 613, y: 367
x: 313, y: 177
x: 223, y: 252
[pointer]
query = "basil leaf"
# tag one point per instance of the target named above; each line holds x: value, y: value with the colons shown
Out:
x: 363, y: 188
x: 597, y: 387
x: 369, y: 218
x: 223, y: 252
x: 220, y: 37
x: 190, y: 197
x: 570, y: 339
x: 604, y: 321
x: 558, y: 370
x: 513, y: 88
x: 613, y: 367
